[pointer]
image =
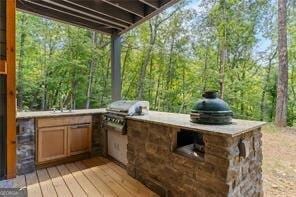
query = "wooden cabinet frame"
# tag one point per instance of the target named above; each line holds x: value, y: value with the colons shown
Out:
x: 68, y: 125
x: 3, y: 67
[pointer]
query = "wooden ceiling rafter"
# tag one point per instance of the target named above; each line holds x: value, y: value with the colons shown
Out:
x: 68, y: 12
x: 58, y: 16
x: 135, y: 7
x: 103, y: 19
x: 104, y: 9
x: 164, y: 5
x: 106, y: 16
x: 152, y: 3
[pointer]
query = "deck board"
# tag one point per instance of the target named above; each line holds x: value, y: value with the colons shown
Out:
x: 46, y: 185
x: 92, y: 177
x: 103, y: 188
x: 71, y: 182
x: 144, y: 190
x: 88, y: 187
x: 117, y: 188
x: 58, y: 182
x: 33, y: 186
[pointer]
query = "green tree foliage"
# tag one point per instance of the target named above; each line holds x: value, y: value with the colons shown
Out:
x: 169, y: 60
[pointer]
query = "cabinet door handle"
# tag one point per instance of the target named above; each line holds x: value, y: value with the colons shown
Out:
x: 80, y: 126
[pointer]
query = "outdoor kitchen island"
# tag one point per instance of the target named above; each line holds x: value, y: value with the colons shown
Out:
x: 175, y: 157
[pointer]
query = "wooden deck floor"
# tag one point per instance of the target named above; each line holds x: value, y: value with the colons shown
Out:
x: 92, y: 177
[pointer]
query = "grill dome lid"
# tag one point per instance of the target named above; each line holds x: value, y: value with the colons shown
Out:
x: 211, y: 110
x: 211, y: 104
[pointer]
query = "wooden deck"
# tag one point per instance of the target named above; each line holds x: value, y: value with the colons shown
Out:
x: 93, y: 177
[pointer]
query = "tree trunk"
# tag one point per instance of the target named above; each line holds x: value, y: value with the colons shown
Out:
x: 205, y: 70
x: 267, y: 81
x: 91, y: 71
x: 125, y: 60
x: 183, y: 89
x: 282, y: 82
x: 153, y: 26
x: 20, y: 84
x: 157, y: 92
x: 105, y: 87
x: 147, y: 56
x: 223, y: 53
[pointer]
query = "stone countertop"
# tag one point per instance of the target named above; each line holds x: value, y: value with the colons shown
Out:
x: 183, y: 121
x: 43, y: 114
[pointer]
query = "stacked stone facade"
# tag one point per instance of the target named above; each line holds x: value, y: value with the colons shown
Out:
x: 25, y: 146
x: 98, y: 136
x: 223, y: 171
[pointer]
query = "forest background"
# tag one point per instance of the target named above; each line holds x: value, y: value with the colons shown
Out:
x: 224, y: 45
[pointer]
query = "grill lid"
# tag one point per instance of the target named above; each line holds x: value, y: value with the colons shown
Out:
x: 211, y: 104
x: 121, y: 105
x: 129, y: 107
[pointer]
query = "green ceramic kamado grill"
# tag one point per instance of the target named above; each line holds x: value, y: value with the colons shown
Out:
x: 211, y: 110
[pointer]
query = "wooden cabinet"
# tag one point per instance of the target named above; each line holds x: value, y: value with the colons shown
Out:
x: 52, y: 143
x: 79, y: 139
x: 62, y: 137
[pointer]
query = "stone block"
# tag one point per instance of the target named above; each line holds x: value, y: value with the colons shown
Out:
x: 205, y: 190
x: 137, y: 134
x: 26, y: 126
x: 158, y: 139
x: 25, y: 146
x: 156, y: 149
x: 212, y: 159
x: 219, y: 141
x: 227, y: 153
x: 159, y: 130
x: 98, y: 136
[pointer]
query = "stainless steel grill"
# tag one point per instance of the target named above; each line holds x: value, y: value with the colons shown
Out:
x: 119, y: 110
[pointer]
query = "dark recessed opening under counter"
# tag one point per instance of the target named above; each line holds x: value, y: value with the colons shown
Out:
x: 190, y: 144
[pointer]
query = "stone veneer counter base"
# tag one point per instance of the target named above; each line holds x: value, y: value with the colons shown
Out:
x: 183, y: 121
x: 230, y: 166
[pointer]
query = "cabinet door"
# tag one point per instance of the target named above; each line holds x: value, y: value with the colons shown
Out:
x: 79, y: 139
x: 52, y: 143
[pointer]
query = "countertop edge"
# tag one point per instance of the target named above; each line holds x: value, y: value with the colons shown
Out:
x: 51, y: 114
x: 258, y: 124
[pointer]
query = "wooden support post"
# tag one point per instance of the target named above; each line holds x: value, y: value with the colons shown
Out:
x: 116, y: 67
x: 11, y: 88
